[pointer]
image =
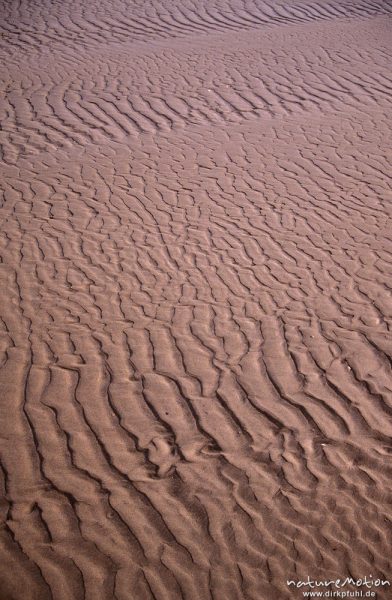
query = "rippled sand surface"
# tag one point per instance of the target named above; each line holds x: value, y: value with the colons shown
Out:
x: 195, y: 297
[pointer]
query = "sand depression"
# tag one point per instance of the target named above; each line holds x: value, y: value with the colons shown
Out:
x: 195, y: 297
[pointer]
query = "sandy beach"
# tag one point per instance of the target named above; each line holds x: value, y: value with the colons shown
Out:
x: 195, y: 299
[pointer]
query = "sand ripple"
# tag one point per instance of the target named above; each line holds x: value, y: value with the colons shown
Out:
x: 195, y: 291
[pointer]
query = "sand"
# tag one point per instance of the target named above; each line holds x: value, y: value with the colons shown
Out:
x: 195, y: 276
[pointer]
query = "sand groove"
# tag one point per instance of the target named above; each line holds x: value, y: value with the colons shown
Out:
x: 195, y: 292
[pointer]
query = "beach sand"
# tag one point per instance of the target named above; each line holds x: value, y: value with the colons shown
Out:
x: 195, y: 298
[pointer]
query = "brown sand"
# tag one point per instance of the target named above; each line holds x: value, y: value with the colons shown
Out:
x: 195, y: 297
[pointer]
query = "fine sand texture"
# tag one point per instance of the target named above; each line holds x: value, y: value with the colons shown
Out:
x: 195, y: 297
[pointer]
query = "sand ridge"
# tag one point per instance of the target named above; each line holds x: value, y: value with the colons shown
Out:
x: 195, y: 298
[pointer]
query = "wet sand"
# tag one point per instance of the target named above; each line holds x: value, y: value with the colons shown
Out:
x: 195, y: 298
